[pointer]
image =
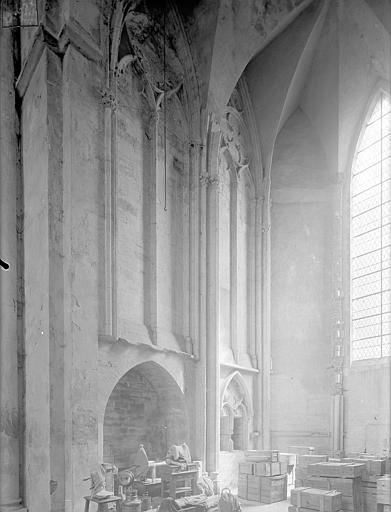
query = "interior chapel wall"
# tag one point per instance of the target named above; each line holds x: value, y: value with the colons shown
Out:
x: 364, y: 67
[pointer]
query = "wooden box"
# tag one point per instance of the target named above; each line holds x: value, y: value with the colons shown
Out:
x: 273, y: 488
x: 350, y: 488
x: 316, y: 499
x: 301, y: 450
x: 246, y: 468
x: 267, y: 468
x: 292, y: 508
x: 305, y: 460
x: 336, y: 469
x: 384, y: 490
x: 302, y: 472
x: 262, y: 455
x: 373, y: 468
x: 242, y: 486
x: 368, y: 496
x: 254, y: 488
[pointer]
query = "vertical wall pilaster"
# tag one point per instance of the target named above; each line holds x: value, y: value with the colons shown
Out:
x: 212, y: 304
x: 10, y: 430
x: 258, y: 358
x: 152, y: 315
x: 35, y: 149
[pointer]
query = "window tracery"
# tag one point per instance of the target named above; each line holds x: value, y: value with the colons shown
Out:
x: 370, y: 258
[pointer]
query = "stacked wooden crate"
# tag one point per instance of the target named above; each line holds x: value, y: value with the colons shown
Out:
x: 384, y: 493
x: 261, y: 479
x: 374, y: 468
x: 306, y: 499
x: 340, y: 476
x: 302, y: 467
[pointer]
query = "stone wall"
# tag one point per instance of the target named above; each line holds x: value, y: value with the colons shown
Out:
x: 136, y: 414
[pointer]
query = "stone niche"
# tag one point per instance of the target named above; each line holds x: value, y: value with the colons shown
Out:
x: 235, y: 415
x: 145, y: 407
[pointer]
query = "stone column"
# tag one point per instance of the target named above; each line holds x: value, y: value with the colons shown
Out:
x: 212, y: 327
x: 259, y: 321
x: 9, y: 407
x: 234, y: 264
x: 211, y: 181
x: 266, y: 336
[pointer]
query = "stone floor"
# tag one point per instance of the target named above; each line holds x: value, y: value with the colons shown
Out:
x: 252, y: 506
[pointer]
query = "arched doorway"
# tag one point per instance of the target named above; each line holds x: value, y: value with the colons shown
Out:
x: 145, y: 407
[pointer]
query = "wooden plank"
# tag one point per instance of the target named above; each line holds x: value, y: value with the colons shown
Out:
x: 316, y: 499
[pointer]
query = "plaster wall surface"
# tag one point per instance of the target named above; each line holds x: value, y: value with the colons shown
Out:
x: 300, y: 388
x: 300, y: 300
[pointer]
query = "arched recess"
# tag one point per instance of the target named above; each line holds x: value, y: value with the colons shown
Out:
x: 150, y: 176
x: 236, y: 412
x: 239, y: 166
x: 145, y: 406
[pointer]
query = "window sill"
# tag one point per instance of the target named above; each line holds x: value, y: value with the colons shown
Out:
x: 368, y: 364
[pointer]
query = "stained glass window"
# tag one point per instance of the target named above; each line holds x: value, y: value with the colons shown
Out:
x: 370, y: 231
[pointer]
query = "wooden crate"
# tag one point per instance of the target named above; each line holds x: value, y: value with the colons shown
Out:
x: 383, y: 490
x: 347, y: 486
x: 350, y: 488
x: 246, y: 468
x: 262, y: 455
x: 302, y: 472
x: 305, y: 460
x: 254, y: 488
x: 267, y: 468
x: 301, y: 450
x: 292, y: 508
x: 273, y: 488
x: 373, y: 467
x: 316, y: 499
x: 369, y: 497
x: 336, y: 469
x: 242, y: 486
